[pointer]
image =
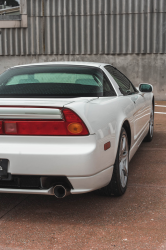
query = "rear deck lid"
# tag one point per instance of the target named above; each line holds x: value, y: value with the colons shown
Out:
x: 16, y: 108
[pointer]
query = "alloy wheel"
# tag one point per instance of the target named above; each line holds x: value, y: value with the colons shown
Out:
x: 123, y: 160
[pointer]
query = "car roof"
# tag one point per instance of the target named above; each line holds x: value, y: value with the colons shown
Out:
x: 92, y: 64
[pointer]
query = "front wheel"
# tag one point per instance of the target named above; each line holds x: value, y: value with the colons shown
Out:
x: 118, y: 183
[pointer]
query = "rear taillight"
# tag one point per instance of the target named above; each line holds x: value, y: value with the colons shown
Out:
x: 34, y: 128
x: 71, y: 125
x: 74, y: 124
x: 1, y: 127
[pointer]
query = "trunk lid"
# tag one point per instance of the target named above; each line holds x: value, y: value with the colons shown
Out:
x: 34, y: 108
x: 46, y: 102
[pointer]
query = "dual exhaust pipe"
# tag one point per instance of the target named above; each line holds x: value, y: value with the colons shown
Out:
x: 60, y: 191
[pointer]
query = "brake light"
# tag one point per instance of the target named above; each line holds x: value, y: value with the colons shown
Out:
x: 72, y: 125
x: 34, y: 128
x: 70, y: 116
x: 1, y: 128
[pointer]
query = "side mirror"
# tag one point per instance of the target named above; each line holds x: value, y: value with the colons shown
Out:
x: 145, y: 87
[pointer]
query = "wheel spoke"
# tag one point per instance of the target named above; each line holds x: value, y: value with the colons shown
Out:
x: 123, y: 160
x: 123, y: 156
x: 122, y: 178
x: 124, y: 144
x: 125, y: 171
x: 151, y: 124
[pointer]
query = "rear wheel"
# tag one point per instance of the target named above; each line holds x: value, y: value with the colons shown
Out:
x: 118, y: 183
x: 149, y: 136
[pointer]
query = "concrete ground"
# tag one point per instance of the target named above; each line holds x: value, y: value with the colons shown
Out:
x: 135, y: 221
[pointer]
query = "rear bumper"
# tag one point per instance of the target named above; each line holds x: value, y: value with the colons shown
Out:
x: 80, y: 184
x: 82, y: 160
x: 55, y: 156
x: 90, y: 183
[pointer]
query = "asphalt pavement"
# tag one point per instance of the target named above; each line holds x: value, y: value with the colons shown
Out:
x: 134, y: 221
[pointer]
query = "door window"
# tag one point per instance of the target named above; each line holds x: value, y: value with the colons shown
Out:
x: 125, y: 86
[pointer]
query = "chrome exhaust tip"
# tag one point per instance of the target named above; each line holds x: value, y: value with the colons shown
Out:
x: 60, y: 191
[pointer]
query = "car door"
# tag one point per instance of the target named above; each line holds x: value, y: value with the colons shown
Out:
x: 141, y: 114
x: 127, y: 89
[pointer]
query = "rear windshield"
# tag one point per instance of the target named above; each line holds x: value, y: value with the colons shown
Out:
x: 55, y: 81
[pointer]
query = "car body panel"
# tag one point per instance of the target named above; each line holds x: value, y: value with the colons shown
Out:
x: 82, y: 159
x: 80, y: 184
x: 54, y: 155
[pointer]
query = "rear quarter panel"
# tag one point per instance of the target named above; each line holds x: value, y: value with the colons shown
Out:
x: 104, y: 117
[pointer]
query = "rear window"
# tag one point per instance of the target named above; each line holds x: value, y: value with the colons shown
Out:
x: 55, y: 81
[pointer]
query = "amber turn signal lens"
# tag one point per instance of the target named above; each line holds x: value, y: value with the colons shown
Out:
x: 75, y: 128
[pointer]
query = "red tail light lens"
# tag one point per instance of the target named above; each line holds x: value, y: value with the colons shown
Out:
x: 1, y: 128
x: 70, y: 116
x: 35, y: 128
x: 72, y: 125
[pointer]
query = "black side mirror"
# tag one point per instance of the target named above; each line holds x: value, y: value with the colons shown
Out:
x: 146, y: 88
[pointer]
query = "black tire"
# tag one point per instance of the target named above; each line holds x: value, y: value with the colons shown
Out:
x: 115, y: 187
x: 149, y: 136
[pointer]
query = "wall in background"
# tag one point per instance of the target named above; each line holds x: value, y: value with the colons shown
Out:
x: 138, y: 68
x: 129, y: 34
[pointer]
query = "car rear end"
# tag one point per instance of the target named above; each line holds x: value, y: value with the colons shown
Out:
x: 45, y: 147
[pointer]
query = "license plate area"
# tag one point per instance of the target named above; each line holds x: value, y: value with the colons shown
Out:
x: 3, y: 168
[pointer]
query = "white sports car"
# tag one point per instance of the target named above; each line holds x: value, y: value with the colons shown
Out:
x: 70, y: 128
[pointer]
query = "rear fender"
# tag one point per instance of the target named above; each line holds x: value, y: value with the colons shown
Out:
x: 118, y: 133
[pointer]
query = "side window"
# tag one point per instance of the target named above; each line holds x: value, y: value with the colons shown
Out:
x: 125, y: 85
x: 107, y: 87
